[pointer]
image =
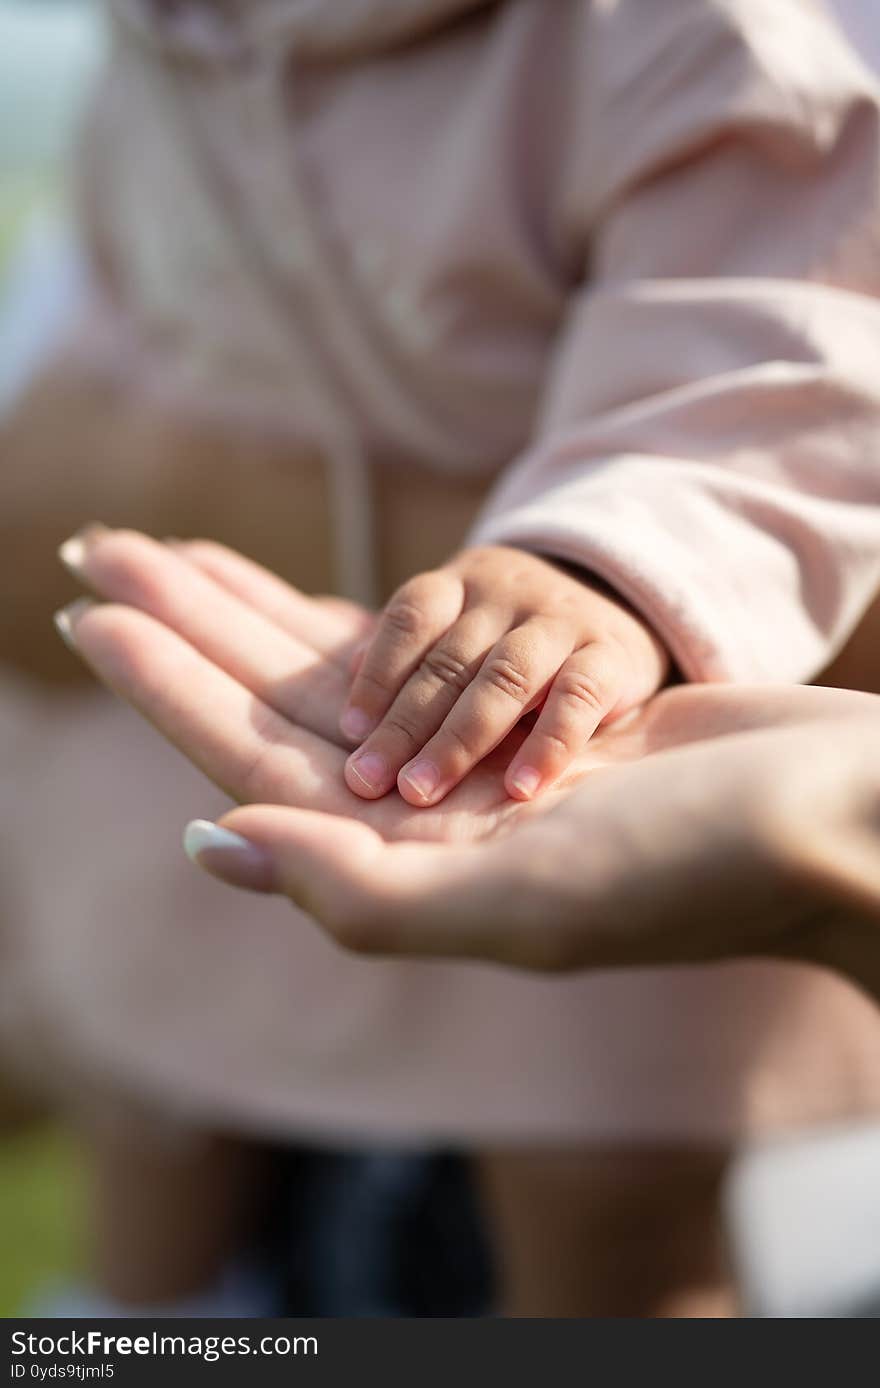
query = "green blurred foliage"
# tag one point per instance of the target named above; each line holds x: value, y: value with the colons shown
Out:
x: 41, y: 1202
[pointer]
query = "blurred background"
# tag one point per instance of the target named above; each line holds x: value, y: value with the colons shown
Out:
x: 48, y: 51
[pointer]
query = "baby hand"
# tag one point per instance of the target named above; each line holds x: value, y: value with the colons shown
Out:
x: 462, y: 652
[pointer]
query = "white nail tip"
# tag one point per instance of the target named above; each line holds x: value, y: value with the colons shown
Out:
x: 73, y: 553
x: 65, y: 621
x: 64, y: 627
x: 201, y: 836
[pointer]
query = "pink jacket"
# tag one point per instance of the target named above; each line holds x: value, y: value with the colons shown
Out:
x: 624, y: 252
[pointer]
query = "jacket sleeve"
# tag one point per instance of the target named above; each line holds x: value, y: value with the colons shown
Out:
x: 709, y: 443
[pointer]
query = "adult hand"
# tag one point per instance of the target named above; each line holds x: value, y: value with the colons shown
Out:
x: 715, y: 821
x: 764, y: 842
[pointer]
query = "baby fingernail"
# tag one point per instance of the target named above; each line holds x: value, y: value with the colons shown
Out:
x: 227, y: 855
x: 74, y: 551
x: 525, y: 781
x: 356, y: 724
x: 423, y: 777
x: 66, y: 619
x: 370, y: 769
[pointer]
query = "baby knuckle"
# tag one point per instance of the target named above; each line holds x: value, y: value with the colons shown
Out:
x: 447, y: 669
x: 582, y: 690
x: 404, y: 616
x: 401, y: 725
x: 508, y: 676
x: 462, y: 742
x: 372, y: 687
x: 555, y: 744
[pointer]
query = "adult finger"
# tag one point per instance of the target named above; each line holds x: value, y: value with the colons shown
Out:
x: 245, y: 747
x: 374, y: 898
x: 329, y: 625
x: 283, y: 670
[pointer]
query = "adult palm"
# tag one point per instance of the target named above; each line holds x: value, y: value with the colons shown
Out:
x: 247, y: 677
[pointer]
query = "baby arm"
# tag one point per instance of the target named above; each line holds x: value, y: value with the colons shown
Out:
x: 708, y: 438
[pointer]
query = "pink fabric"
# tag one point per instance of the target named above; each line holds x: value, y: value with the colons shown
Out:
x: 634, y: 246
x: 639, y: 248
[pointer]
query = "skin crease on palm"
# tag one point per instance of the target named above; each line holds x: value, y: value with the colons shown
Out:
x: 247, y: 678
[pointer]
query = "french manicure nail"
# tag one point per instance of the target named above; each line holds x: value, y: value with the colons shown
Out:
x: 356, y: 724
x: 526, y: 781
x: 371, y: 769
x: 201, y: 834
x: 66, y: 619
x: 74, y: 551
x: 423, y: 777
x: 202, y: 837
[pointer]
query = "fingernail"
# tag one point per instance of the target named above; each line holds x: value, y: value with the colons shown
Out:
x: 356, y: 724
x: 423, y: 777
x: 74, y: 551
x: 225, y: 853
x: 66, y: 620
x: 525, y: 781
x: 371, y: 769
